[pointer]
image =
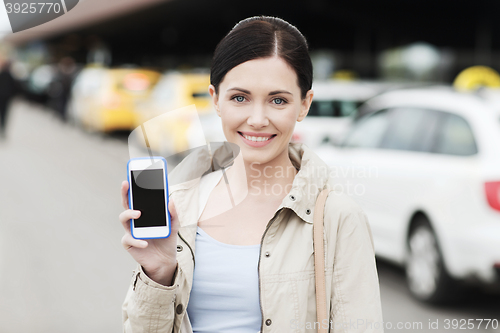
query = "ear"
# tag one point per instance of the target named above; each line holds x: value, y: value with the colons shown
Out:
x: 215, y: 98
x: 306, y: 104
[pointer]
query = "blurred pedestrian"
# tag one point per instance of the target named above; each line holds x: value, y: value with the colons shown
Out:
x: 61, y: 87
x: 7, y: 91
x: 99, y: 53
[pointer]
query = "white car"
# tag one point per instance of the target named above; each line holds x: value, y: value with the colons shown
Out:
x: 425, y: 167
x: 334, y: 106
x: 88, y: 83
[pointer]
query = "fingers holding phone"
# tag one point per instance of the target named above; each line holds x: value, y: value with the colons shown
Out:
x: 158, y: 257
x: 151, y: 221
x: 125, y: 204
x: 129, y: 242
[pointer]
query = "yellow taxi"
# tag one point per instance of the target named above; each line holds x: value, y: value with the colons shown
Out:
x: 106, y: 100
x: 179, y: 102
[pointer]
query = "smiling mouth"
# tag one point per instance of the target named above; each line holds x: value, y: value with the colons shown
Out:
x: 257, y: 138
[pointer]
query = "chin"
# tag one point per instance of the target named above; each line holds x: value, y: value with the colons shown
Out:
x: 260, y: 157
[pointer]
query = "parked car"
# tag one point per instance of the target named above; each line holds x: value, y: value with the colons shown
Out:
x: 334, y: 106
x: 106, y: 100
x: 179, y: 115
x: 424, y: 164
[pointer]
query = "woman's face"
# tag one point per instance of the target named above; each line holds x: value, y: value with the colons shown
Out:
x: 259, y: 102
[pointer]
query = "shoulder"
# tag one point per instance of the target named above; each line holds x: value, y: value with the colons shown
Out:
x: 343, y: 213
x: 345, y: 219
x: 341, y: 205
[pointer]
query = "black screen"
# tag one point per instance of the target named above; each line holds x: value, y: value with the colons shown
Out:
x: 149, y: 198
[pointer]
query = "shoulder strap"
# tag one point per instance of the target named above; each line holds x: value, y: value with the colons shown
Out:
x: 319, y: 260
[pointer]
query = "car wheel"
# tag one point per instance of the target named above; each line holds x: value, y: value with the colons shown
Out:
x: 426, y: 275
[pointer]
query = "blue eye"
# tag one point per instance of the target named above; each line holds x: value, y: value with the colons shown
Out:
x: 239, y: 99
x: 279, y: 101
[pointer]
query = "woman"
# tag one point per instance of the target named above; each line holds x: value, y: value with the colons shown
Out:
x: 8, y: 89
x: 253, y: 243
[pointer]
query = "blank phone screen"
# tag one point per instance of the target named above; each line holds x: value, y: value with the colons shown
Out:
x: 148, y: 195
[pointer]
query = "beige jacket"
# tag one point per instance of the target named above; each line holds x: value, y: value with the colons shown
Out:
x: 286, y: 263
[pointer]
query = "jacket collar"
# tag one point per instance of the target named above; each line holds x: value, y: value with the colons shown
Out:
x: 308, y: 183
x: 311, y: 178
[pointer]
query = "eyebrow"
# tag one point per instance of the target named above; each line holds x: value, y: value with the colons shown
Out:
x: 275, y: 92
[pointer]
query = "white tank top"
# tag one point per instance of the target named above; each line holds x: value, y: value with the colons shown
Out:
x: 225, y: 292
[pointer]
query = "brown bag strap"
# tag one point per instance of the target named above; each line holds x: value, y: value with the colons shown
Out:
x: 319, y: 261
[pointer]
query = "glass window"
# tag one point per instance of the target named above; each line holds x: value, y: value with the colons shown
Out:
x: 406, y: 129
x: 455, y: 137
x: 201, y: 94
x: 368, y: 131
x: 347, y: 108
x: 333, y: 108
x: 426, y: 137
x: 322, y: 109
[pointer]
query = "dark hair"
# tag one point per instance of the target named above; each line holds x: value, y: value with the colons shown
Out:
x: 261, y: 37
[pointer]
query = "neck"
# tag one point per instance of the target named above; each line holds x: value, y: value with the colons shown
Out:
x: 271, y: 179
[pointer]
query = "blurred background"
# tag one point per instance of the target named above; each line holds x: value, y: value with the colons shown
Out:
x: 406, y: 113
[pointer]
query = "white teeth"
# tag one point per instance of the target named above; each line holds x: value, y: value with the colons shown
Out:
x: 256, y: 138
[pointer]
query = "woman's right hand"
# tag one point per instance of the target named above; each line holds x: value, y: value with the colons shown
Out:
x: 158, y: 257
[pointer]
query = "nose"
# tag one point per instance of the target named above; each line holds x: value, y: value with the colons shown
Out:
x: 258, y: 117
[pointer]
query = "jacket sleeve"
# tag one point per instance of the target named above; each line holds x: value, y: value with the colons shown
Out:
x: 149, y: 306
x: 355, y: 300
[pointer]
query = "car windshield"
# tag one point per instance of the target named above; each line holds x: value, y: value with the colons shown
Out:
x: 368, y: 131
x: 201, y: 94
x: 338, y: 108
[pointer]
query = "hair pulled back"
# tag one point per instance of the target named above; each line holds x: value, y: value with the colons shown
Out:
x: 262, y: 37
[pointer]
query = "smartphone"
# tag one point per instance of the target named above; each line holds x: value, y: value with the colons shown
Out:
x: 148, y: 192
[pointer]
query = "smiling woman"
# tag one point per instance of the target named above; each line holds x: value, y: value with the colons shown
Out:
x: 253, y: 243
x: 259, y: 102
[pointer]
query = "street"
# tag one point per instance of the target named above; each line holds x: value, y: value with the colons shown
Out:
x: 63, y: 268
